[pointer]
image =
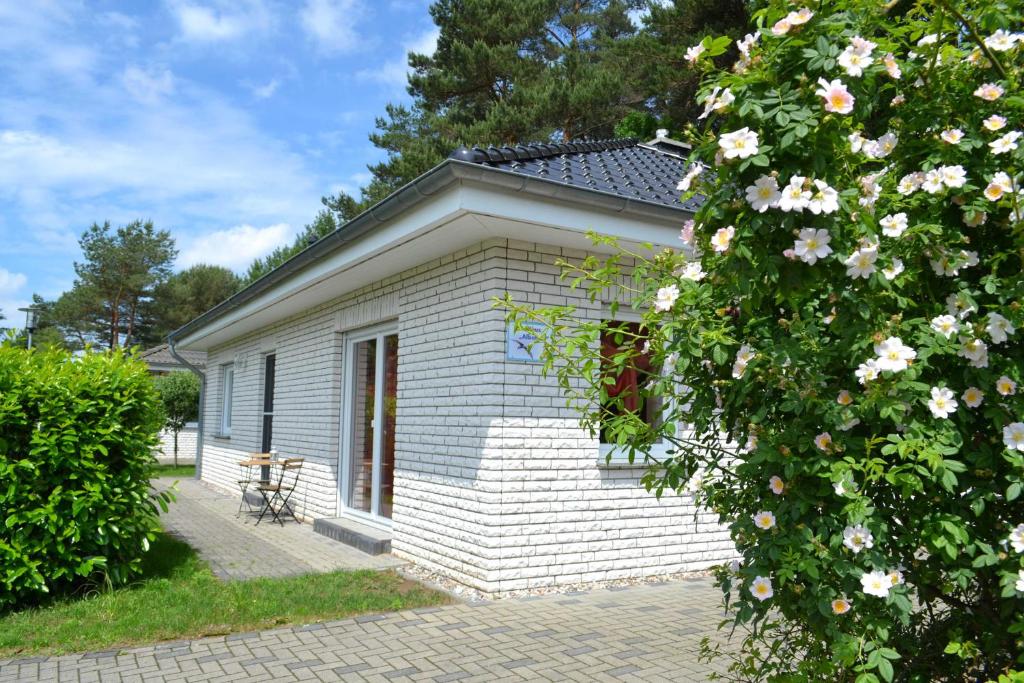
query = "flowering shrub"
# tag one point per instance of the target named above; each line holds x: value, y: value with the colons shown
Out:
x: 841, y: 329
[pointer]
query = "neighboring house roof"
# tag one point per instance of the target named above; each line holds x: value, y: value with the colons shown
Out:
x: 622, y: 177
x: 625, y: 168
x: 161, y: 356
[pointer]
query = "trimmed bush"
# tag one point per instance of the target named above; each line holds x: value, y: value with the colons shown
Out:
x: 76, y: 443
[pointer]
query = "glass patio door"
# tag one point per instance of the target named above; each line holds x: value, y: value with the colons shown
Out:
x: 368, y: 439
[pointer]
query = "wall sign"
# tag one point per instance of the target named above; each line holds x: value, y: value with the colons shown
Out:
x: 520, y: 346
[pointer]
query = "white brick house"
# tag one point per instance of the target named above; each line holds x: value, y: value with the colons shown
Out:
x: 477, y: 470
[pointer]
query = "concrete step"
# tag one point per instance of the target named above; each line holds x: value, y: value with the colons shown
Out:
x: 370, y: 540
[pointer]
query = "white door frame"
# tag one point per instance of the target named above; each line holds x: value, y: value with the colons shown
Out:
x: 345, y: 453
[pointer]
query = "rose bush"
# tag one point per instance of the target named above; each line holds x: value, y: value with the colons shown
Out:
x: 841, y: 331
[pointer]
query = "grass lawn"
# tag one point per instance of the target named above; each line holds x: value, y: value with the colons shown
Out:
x: 179, y: 597
x: 178, y: 472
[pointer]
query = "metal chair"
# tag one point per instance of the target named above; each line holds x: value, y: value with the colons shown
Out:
x: 281, y: 492
x: 247, y: 467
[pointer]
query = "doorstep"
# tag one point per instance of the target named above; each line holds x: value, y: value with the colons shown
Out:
x: 370, y: 540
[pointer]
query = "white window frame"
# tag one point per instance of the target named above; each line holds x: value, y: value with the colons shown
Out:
x: 619, y: 458
x: 227, y: 398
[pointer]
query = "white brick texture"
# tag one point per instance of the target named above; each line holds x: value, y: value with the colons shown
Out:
x: 496, y: 484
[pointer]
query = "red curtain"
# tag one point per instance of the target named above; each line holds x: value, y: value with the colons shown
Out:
x: 627, y: 382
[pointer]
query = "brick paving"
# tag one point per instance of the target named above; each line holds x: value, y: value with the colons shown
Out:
x: 236, y: 548
x: 643, y: 633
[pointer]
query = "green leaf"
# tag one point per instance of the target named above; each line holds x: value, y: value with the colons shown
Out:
x: 885, y: 669
x: 1013, y: 491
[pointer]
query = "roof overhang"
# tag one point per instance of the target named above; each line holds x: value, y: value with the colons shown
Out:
x: 455, y: 205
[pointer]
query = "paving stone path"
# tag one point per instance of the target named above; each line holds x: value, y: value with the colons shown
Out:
x: 644, y: 633
x: 236, y: 548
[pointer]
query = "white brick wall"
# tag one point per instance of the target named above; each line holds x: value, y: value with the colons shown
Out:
x: 186, y: 446
x: 496, y: 485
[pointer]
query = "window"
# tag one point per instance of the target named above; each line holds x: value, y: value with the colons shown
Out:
x: 625, y: 393
x: 227, y: 398
x: 269, y: 373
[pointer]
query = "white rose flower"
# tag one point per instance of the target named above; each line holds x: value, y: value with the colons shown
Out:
x: 794, y: 196
x: 893, y: 271
x: 975, y: 351
x: 861, y: 263
x: 999, y: 328
x: 910, y: 183
x: 776, y: 485
x: 764, y: 520
x: 693, y: 271
x: 973, y: 396
x: 856, y: 538
x: 1006, y: 386
x: 942, y: 403
x: 958, y: 306
x: 854, y: 61
x: 739, y: 144
x: 856, y: 141
x: 825, y: 200
x: 882, y: 147
x: 894, y: 355
x: 933, y: 181
x: 994, y: 122
x: 998, y: 185
x: 868, y: 371
x: 946, y: 325
x: 749, y: 41
x: 1001, y: 41
x: 693, y: 53
x: 761, y: 588
x: 666, y: 298
x: 876, y: 583
x: 837, y: 98
x: 812, y: 245
x: 989, y: 91
x: 743, y: 357
x: 691, y: 174
x: 764, y: 194
x: 952, y: 135
x: 1006, y: 143
x: 823, y: 441
x: 894, y: 225
x: 722, y: 237
x: 953, y: 176
x: 1016, y: 538
x: 1013, y: 436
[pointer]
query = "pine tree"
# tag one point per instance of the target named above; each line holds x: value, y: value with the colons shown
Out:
x: 656, y: 52
x: 504, y: 73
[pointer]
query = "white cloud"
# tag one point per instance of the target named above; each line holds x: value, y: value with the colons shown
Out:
x: 235, y: 247
x: 220, y: 21
x: 10, y: 285
x: 396, y: 72
x: 331, y: 24
x: 148, y: 87
x: 10, y: 282
x: 262, y: 92
x: 33, y: 36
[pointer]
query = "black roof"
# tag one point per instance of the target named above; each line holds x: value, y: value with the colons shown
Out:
x: 622, y: 167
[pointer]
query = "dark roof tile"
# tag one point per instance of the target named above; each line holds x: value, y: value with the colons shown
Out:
x: 621, y: 167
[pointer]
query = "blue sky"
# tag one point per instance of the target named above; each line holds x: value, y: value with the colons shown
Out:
x: 223, y: 121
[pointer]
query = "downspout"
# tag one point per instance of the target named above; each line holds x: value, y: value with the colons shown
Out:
x: 202, y: 403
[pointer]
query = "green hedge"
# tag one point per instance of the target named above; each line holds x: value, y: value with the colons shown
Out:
x: 76, y: 443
